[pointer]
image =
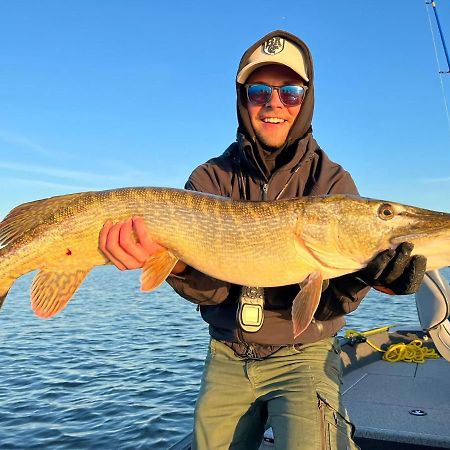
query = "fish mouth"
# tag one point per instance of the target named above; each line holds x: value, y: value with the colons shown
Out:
x: 423, y: 225
x: 411, y: 237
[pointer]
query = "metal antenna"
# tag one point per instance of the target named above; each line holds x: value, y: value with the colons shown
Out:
x: 444, y: 46
x: 441, y: 72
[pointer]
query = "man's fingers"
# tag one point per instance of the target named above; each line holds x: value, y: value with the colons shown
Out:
x: 103, y: 244
x: 395, y: 271
x: 398, y: 264
x: 412, y: 276
x: 149, y: 246
x: 113, y: 250
x: 378, y: 264
x: 130, y: 243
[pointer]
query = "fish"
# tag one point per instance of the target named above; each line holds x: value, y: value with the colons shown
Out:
x: 251, y: 243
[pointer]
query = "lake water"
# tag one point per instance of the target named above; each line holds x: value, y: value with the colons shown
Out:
x: 117, y: 369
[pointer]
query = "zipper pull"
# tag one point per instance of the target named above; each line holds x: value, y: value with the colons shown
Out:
x: 265, y: 189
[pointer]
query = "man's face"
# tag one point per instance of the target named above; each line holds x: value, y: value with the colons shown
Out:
x: 273, y: 120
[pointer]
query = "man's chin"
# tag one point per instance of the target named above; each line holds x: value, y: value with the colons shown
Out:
x: 270, y: 147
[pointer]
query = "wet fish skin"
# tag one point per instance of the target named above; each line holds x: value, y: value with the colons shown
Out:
x: 250, y: 243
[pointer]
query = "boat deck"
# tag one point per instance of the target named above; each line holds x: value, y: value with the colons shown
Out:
x: 382, y: 398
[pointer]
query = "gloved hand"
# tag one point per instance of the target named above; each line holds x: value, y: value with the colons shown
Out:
x: 394, y: 271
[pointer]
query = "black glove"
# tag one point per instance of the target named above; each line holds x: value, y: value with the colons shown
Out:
x: 394, y: 271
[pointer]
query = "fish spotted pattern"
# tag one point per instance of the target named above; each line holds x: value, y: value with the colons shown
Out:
x: 263, y: 244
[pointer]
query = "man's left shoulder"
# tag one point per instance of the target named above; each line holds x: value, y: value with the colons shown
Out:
x: 331, y: 177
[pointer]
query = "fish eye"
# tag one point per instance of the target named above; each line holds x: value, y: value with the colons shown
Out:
x: 386, y: 211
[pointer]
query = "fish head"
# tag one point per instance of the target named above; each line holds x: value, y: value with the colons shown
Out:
x: 345, y: 232
x: 428, y: 231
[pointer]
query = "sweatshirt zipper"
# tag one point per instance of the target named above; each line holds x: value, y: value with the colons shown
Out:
x: 265, y: 190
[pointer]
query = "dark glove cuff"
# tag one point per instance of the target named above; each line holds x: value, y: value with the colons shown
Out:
x: 350, y: 285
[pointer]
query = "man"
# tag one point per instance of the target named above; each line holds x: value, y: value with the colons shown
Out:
x: 256, y: 372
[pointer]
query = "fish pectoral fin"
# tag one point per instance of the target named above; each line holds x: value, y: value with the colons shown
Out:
x: 5, y: 286
x: 52, y: 290
x: 306, y: 303
x: 156, y: 269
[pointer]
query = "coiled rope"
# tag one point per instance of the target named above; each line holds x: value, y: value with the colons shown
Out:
x: 413, y: 352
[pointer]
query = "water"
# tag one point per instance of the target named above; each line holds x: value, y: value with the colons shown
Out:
x: 117, y: 368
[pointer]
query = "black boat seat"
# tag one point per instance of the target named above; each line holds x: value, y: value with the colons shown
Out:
x: 433, y: 308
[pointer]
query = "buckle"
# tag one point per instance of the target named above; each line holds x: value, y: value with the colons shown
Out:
x: 250, y: 312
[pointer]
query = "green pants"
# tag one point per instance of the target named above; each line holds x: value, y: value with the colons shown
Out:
x: 296, y: 391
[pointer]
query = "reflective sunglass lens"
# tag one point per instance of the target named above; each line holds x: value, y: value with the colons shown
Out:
x: 259, y: 94
x: 291, y: 95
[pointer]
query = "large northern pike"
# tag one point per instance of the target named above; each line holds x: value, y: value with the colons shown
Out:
x: 248, y: 243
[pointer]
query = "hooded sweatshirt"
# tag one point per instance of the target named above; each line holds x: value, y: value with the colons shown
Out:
x: 242, y: 172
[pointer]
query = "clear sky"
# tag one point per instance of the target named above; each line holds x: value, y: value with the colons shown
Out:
x: 107, y: 93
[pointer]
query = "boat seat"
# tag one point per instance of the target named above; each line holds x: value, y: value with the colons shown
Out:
x: 433, y: 308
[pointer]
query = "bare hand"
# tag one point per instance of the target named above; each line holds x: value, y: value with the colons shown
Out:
x: 128, y: 244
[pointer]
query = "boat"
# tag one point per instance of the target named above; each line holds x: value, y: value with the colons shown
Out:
x: 397, y: 405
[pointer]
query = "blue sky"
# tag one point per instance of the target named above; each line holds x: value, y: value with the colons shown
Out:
x: 102, y: 94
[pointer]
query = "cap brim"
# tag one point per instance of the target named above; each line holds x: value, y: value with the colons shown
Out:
x: 249, y: 68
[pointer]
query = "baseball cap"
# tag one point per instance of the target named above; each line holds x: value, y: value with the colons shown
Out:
x: 276, y: 50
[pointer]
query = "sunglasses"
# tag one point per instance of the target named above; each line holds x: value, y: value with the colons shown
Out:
x: 290, y: 94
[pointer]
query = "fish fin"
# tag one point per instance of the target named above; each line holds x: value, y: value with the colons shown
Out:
x: 306, y: 303
x: 156, y: 269
x: 29, y: 215
x: 51, y: 291
x: 5, y: 286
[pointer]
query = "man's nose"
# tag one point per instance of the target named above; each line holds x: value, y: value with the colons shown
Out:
x: 275, y: 101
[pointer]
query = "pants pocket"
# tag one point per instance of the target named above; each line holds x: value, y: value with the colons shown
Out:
x: 336, y: 428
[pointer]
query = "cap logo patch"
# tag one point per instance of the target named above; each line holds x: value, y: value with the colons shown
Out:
x: 273, y: 46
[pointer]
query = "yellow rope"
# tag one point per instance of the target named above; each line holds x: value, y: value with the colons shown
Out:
x: 414, y: 351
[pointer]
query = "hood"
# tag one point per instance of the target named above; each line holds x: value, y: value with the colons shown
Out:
x: 302, y: 125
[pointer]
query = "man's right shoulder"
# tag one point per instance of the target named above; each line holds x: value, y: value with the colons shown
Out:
x: 214, y: 176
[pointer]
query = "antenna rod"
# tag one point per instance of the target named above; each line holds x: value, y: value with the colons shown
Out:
x: 433, y: 4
